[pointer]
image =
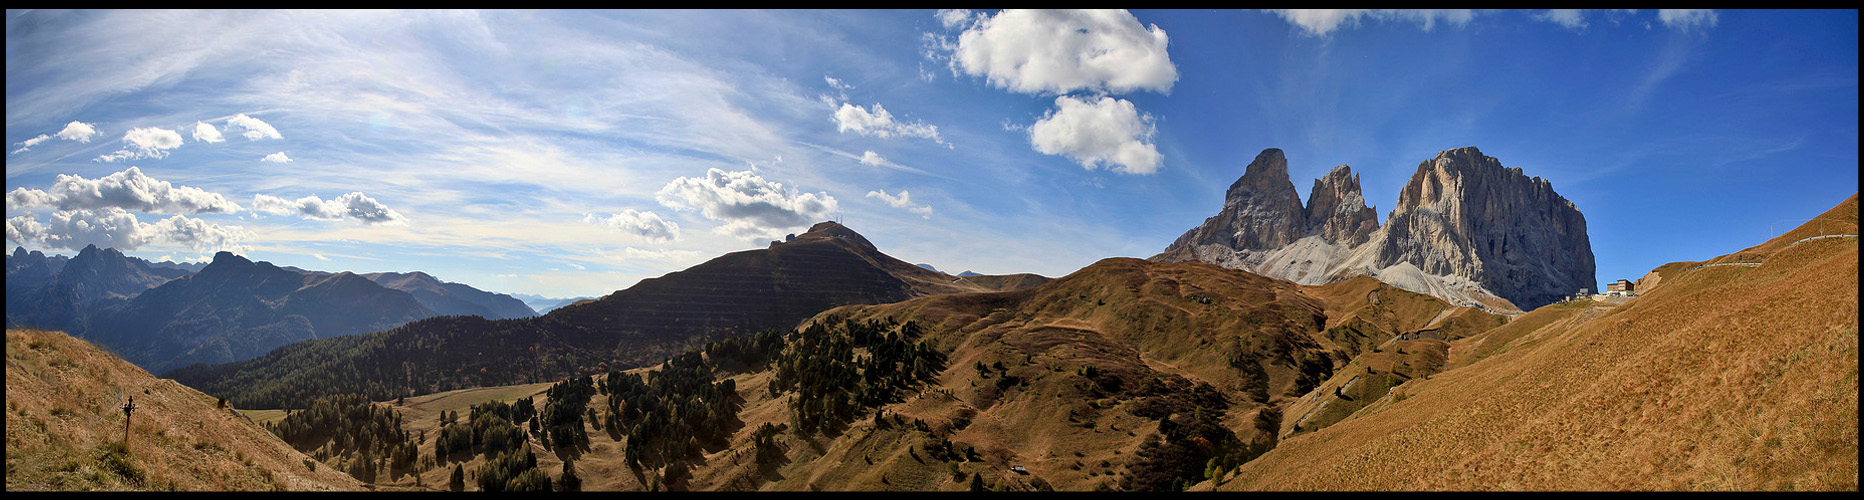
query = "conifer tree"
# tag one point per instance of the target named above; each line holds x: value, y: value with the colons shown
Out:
x: 458, y: 481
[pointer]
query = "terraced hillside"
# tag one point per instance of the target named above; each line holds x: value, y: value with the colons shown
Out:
x: 64, y: 429
x: 1740, y: 377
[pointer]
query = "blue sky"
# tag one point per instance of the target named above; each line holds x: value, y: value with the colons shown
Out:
x: 568, y: 153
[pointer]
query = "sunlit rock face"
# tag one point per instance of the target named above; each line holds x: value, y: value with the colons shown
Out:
x: 1466, y: 229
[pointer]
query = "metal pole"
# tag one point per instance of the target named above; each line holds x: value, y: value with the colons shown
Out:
x: 127, y: 408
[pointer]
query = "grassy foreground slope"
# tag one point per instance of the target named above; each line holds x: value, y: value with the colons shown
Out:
x: 64, y: 429
x: 1723, y: 378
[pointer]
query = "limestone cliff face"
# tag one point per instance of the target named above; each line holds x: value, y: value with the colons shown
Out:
x: 1463, y: 214
x: 1466, y: 229
x: 1261, y: 210
x: 1337, y: 211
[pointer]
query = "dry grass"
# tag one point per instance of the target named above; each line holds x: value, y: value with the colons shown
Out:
x: 1725, y: 378
x: 64, y: 429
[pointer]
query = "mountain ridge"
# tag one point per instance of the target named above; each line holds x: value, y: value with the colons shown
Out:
x: 1465, y: 229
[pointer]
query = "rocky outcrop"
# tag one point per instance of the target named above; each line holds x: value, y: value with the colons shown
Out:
x: 1463, y: 214
x: 1466, y: 229
x: 1261, y: 210
x: 1337, y: 212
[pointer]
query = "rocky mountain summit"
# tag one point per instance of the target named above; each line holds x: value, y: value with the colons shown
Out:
x: 1466, y: 229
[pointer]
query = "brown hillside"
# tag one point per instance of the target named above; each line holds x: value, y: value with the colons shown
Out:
x: 62, y: 398
x: 1129, y: 319
x: 1723, y: 378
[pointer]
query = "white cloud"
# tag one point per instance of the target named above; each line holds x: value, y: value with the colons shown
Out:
x: 952, y: 18
x: 872, y: 159
x: 880, y: 123
x: 79, y: 131
x: 750, y: 206
x: 353, y: 205
x: 147, y: 142
x: 1033, y: 51
x: 1320, y: 22
x: 116, y: 228
x: 128, y: 190
x: 278, y: 157
x: 904, y: 200
x: 1106, y: 130
x: 205, y: 132
x: 24, y: 229
x: 648, y: 225
x: 1687, y: 19
x: 29, y: 143
x: 74, y: 131
x: 321, y: 257
x: 838, y: 84
x: 1570, y: 18
x: 255, y: 129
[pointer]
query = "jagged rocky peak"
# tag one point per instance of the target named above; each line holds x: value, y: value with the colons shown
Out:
x: 1465, y: 229
x: 1337, y: 211
x: 1264, y: 208
x: 1464, y: 214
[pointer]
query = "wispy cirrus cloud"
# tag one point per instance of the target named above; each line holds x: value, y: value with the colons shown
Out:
x: 1321, y: 22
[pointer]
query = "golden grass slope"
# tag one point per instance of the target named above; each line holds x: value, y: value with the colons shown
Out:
x: 1723, y: 378
x: 63, y: 422
x: 1121, y: 316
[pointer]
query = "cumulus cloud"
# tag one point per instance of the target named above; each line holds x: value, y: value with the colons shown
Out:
x: 1687, y: 19
x: 1034, y: 51
x: 74, y: 131
x: 205, y: 132
x: 146, y: 142
x: 904, y: 200
x: 1093, y: 132
x: 354, y: 205
x: 128, y: 190
x: 278, y: 157
x: 24, y: 229
x: 880, y: 123
x: 255, y: 129
x: 1320, y: 22
x: 648, y: 225
x: 79, y: 131
x: 872, y: 159
x: 116, y: 228
x: 750, y: 206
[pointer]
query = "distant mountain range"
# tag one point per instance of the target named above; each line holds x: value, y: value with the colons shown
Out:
x: 543, y: 305
x: 1466, y: 229
x: 163, y: 315
x: 453, y: 299
x: 731, y: 295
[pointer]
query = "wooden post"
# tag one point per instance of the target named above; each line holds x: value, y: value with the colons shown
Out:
x: 127, y: 408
